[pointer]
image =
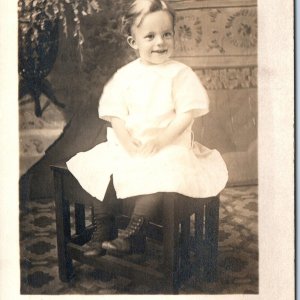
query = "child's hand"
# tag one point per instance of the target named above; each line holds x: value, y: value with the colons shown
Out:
x: 133, y: 146
x: 151, y: 147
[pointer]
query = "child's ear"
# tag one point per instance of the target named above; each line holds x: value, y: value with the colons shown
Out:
x: 131, y: 42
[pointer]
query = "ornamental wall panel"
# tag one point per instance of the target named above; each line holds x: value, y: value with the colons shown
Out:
x: 218, y: 39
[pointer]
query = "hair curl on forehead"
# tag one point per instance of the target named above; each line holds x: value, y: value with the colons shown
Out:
x: 138, y: 9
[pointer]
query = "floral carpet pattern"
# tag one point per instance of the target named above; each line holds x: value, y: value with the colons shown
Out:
x: 237, y: 260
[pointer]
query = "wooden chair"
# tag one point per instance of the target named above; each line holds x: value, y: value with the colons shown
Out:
x: 174, y: 233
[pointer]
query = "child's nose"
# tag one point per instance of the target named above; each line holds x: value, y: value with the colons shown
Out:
x: 159, y: 40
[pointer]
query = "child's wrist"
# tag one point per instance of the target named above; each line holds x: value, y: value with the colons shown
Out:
x: 161, y: 142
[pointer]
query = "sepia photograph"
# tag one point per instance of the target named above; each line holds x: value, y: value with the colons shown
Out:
x: 139, y: 142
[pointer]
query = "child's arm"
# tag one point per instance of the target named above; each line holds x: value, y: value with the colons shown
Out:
x: 174, y: 129
x: 129, y: 143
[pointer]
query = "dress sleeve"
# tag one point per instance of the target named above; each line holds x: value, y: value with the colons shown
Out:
x: 112, y: 102
x: 189, y: 93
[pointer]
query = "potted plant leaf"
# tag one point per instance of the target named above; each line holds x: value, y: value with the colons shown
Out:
x: 39, y: 22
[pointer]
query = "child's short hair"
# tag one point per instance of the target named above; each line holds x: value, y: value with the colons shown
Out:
x: 139, y: 9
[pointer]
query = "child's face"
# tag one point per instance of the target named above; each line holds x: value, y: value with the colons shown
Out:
x: 154, y: 37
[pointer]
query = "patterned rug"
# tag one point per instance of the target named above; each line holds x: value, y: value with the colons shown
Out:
x: 237, y: 261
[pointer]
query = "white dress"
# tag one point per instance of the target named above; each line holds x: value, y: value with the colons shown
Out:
x: 147, y: 98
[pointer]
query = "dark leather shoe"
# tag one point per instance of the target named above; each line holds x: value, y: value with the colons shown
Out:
x: 118, y: 245
x: 130, y: 240
x: 104, y: 230
x: 121, y: 246
x: 135, y: 227
x: 91, y: 250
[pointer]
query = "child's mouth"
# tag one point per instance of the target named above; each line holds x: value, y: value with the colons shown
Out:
x: 160, y: 51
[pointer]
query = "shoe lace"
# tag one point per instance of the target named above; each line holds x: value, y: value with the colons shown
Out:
x: 133, y: 227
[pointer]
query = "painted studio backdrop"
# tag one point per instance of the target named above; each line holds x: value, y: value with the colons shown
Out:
x: 218, y: 39
x: 61, y: 81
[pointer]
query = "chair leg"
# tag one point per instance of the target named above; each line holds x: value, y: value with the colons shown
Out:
x: 79, y: 218
x: 199, y: 215
x: 211, y: 237
x: 171, y: 243
x: 185, y: 268
x: 63, y: 229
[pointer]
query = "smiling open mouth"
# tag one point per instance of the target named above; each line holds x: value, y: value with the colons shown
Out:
x: 160, y: 51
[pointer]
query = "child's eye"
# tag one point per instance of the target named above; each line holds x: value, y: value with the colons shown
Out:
x: 149, y: 36
x: 168, y: 34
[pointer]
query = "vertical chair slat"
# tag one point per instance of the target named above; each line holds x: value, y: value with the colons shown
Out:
x: 63, y: 228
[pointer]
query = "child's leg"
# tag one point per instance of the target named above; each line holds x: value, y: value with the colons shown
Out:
x: 103, y: 221
x: 147, y: 205
x: 103, y: 218
x: 132, y: 238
